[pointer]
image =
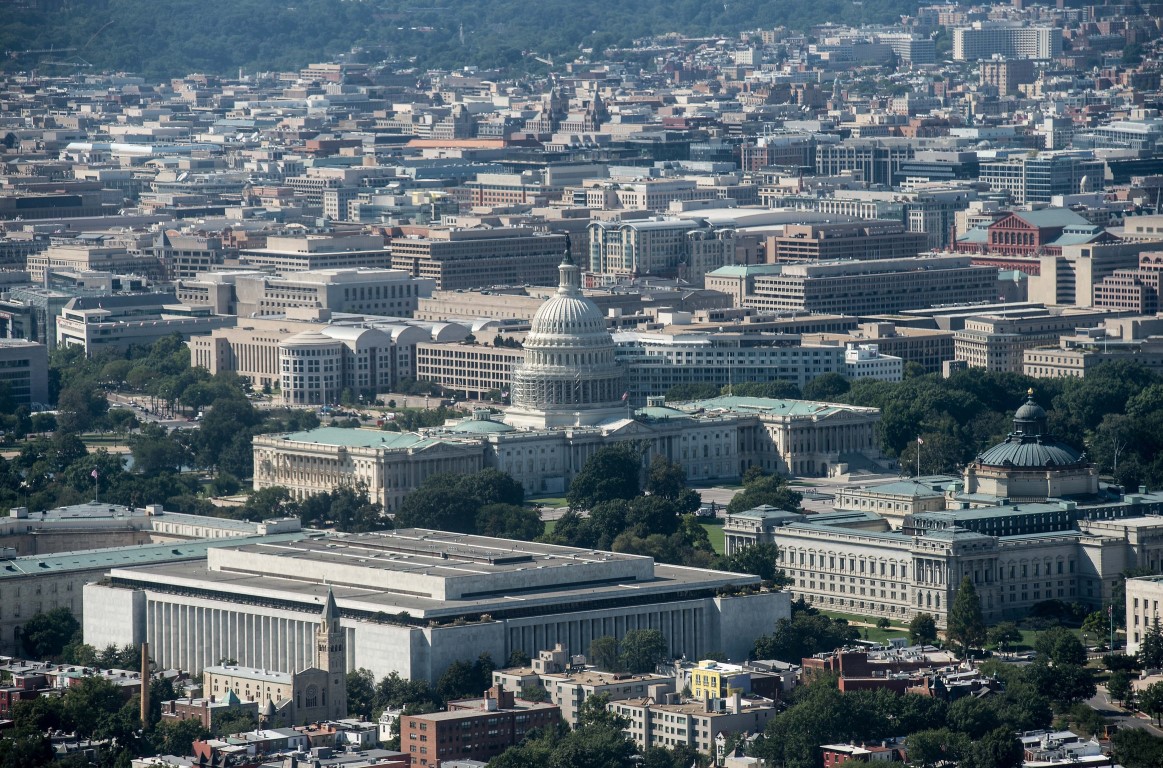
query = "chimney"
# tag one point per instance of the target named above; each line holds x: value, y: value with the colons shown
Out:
x: 145, y: 679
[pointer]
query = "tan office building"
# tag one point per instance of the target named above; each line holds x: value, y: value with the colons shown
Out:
x: 874, y: 287
x: 478, y: 258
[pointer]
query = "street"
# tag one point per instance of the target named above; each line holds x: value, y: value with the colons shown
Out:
x: 1102, y: 704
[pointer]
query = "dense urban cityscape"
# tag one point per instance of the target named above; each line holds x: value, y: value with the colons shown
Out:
x: 772, y: 385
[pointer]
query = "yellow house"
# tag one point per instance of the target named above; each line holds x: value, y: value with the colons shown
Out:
x: 717, y: 680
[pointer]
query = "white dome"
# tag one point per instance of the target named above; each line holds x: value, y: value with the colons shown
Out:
x: 567, y: 315
x: 569, y: 363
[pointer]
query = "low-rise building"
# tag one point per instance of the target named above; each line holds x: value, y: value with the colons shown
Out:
x: 472, y: 729
x: 865, y: 361
x: 388, y: 292
x: 873, y: 287
x: 116, y: 322
x: 461, y: 258
x: 927, y: 347
x: 568, y: 682
x: 672, y: 722
x: 1144, y: 596
x: 998, y: 343
x: 858, y: 240
x: 285, y: 255
x: 24, y: 371
x: 63, y: 555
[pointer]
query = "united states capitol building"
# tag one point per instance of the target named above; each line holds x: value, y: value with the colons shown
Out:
x: 569, y: 398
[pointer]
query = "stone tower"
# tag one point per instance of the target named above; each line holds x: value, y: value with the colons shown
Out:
x: 331, y: 657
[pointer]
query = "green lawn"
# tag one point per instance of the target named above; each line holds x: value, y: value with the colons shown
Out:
x: 553, y: 502
x: 549, y: 526
x: 875, y: 634
x: 715, y: 533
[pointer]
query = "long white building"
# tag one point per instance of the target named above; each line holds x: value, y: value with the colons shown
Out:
x: 986, y: 39
x: 414, y: 601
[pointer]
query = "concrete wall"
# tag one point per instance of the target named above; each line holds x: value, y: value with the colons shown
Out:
x: 742, y: 619
x: 114, y: 616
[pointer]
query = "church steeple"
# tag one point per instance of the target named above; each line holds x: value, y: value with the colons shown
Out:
x: 331, y: 656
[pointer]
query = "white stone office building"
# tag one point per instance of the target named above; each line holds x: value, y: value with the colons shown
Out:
x: 1144, y: 595
x: 1027, y: 522
x: 413, y: 601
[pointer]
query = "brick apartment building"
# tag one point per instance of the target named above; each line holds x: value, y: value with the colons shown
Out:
x: 472, y: 729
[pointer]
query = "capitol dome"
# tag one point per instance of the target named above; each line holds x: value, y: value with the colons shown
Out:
x: 569, y: 375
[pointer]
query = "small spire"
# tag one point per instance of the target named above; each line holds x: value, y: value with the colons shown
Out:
x: 330, y: 609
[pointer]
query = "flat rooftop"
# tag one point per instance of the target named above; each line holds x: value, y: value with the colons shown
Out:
x: 425, y: 574
x: 123, y: 557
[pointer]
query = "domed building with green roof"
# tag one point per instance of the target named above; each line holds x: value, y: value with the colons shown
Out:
x: 1030, y: 465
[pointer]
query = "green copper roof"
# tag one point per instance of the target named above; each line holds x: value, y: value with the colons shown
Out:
x: 360, y: 438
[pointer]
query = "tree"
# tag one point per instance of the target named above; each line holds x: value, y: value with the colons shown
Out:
x: 827, y: 387
x: 773, y: 390
x: 922, y: 629
x: 361, y: 693
x: 80, y: 406
x: 760, y: 489
x: 665, y: 478
x: 1060, y: 646
x: 612, y: 472
x: 966, y: 626
x: 803, y: 635
x: 642, y: 650
x: 972, y: 716
x: 999, y: 748
x: 509, y: 521
x: 454, y: 503
x: 1064, y: 684
x: 237, y: 720
x: 1118, y: 686
x: 1004, y: 633
x: 683, y: 392
x: 1136, y: 748
x: 45, y: 635
x: 883, y: 623
x: 176, y: 737
x: 463, y: 679
x: 534, y: 693
x: 517, y: 658
x: 439, y: 504
x: 1150, y: 654
x: 760, y: 560
x: 457, y: 681
x: 1151, y: 701
x: 1095, y: 623
x: 604, y: 653
x: 491, y: 486
x: 26, y: 748
x: 931, y: 748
